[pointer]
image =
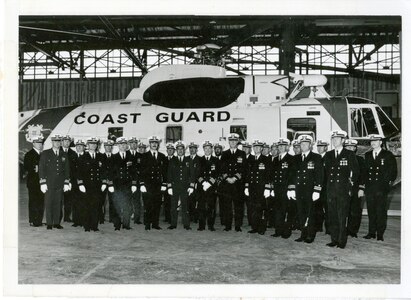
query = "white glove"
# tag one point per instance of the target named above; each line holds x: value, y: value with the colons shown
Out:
x: 206, y: 185
x: 66, y: 188
x: 163, y: 188
x: 133, y: 189
x: 43, y: 188
x: 272, y: 193
x: 178, y: 205
x: 246, y: 192
x: 82, y: 188
x: 291, y: 195
x: 316, y: 196
x: 70, y: 186
x: 170, y: 191
x: 103, y: 187
x: 360, y: 193
x: 143, y: 189
x: 111, y: 189
x: 190, y: 191
x: 267, y: 193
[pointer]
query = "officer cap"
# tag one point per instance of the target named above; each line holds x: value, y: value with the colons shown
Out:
x: 322, y: 143
x: 121, y: 140
x: 207, y: 143
x: 80, y: 142
x: 170, y: 146
x: 283, y: 141
x: 67, y: 137
x: 38, y: 139
x: 246, y: 145
x: 295, y: 143
x: 350, y: 142
x: 375, y: 137
x: 217, y: 145
x: 258, y: 143
x: 338, y: 133
x: 56, y: 137
x: 180, y: 144
x: 233, y: 137
x: 274, y: 145
x: 109, y: 143
x: 305, y: 138
x: 92, y: 140
x: 133, y: 139
x: 142, y: 145
x: 265, y: 145
x: 193, y: 145
x: 154, y: 138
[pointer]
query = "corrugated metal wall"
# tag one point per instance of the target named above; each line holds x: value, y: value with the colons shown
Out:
x: 36, y: 94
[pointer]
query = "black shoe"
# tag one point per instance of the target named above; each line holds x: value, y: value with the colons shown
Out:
x: 68, y: 220
x: 49, y: 227
x: 127, y: 227
x: 369, y: 236
x: 31, y: 224
x: 253, y: 231
x: 58, y: 226
x: 276, y: 234
x: 341, y: 246
x: 187, y: 227
x: 37, y: 225
x: 300, y: 239
x: 138, y: 222
x: 96, y: 229
x: 211, y: 229
x: 116, y: 228
x: 75, y: 225
x: 147, y: 227
x: 171, y: 227
x: 332, y: 244
x: 285, y: 236
x: 380, y: 238
x: 200, y: 229
x: 261, y: 232
x: 227, y: 229
x: 308, y: 240
x: 157, y: 227
x: 238, y: 229
x: 87, y: 230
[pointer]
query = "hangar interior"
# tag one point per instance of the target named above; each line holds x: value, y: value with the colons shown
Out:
x: 65, y: 60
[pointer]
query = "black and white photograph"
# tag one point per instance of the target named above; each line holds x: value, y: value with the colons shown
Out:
x: 213, y: 149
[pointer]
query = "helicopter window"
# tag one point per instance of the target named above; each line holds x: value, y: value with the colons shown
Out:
x: 362, y: 122
x: 388, y: 127
x: 298, y: 126
x: 241, y: 130
x: 114, y: 133
x: 174, y: 134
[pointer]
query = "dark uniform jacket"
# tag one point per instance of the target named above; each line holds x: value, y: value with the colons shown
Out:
x: 123, y: 173
x: 90, y: 171
x: 31, y: 165
x: 153, y: 173
x: 257, y: 176
x: 308, y: 174
x: 107, y: 167
x: 136, y: 161
x: 196, y: 166
x: 281, y: 170
x: 380, y: 171
x: 208, y: 171
x: 54, y: 170
x: 340, y: 171
x: 180, y: 175
x: 233, y: 165
x: 360, y: 183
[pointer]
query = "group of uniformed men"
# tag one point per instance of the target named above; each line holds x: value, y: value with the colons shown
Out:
x: 282, y: 191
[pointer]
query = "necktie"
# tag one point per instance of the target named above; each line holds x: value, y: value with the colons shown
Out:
x: 92, y: 155
x: 122, y: 155
x: 57, y: 153
x: 336, y: 153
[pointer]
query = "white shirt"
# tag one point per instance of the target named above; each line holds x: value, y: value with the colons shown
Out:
x: 122, y: 154
x: 154, y: 153
x: 108, y: 154
x: 338, y: 151
x: 92, y: 154
x: 233, y: 151
x: 181, y: 158
x: 376, y: 152
x: 281, y: 156
x: 65, y: 149
x: 38, y: 152
x: 207, y: 157
x: 305, y: 154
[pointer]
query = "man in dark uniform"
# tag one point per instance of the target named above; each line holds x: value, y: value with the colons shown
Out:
x: 248, y: 159
x: 153, y: 182
x: 107, y: 159
x: 257, y: 187
x: 341, y: 169
x: 167, y: 198
x: 193, y: 198
x: 381, y: 172
x: 135, y: 197
x: 36, y: 197
x: 218, y: 151
x: 69, y: 196
x: 206, y: 188
x: 279, y: 172
x: 305, y: 186
x: 270, y: 201
x: 54, y: 172
x: 181, y: 181
x: 122, y: 183
x: 320, y: 206
x: 296, y: 147
x: 90, y: 181
x: 293, y: 204
x: 78, y: 197
x: 142, y: 148
x: 357, y: 192
x: 232, y: 173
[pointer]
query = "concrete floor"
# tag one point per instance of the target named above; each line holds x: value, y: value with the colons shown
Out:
x: 179, y: 256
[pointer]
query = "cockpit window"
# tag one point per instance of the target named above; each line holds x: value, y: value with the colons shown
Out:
x: 388, y: 127
x: 362, y: 122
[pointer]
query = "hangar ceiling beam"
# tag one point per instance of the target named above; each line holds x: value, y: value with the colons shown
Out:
x: 368, y: 55
x: 113, y: 31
